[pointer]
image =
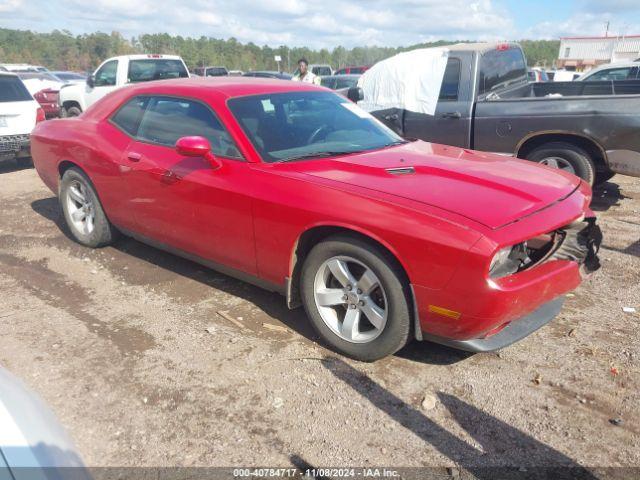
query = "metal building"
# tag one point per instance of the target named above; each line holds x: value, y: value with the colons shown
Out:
x: 584, y: 53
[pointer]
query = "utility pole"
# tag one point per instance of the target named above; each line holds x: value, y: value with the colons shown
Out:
x: 606, y: 31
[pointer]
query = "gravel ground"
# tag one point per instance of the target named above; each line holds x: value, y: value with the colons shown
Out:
x: 151, y: 360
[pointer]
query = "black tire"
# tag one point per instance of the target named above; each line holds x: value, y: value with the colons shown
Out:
x: 396, y: 332
x: 72, y: 111
x: 102, y: 233
x: 579, y: 159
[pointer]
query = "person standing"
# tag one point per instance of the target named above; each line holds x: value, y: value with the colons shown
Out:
x: 304, y: 75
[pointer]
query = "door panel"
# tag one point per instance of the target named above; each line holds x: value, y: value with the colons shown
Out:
x: 451, y: 123
x: 105, y: 82
x: 185, y: 203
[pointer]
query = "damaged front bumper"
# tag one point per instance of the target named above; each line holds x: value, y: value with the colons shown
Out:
x: 580, y: 242
x: 521, y: 303
x: 516, y: 330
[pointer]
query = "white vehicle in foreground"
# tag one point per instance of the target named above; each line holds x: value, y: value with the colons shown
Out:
x: 115, y: 73
x: 33, y: 444
x: 19, y: 113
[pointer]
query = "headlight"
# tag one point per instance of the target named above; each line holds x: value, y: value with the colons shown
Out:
x: 508, y: 260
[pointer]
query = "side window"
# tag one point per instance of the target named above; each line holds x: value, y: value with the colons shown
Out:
x: 611, y: 74
x: 106, y: 75
x: 128, y: 116
x: 166, y: 119
x: 451, y: 80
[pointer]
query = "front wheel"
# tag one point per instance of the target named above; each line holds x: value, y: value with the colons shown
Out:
x: 356, y: 298
x: 567, y: 157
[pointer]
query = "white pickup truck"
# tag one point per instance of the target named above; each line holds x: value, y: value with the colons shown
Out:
x: 115, y: 73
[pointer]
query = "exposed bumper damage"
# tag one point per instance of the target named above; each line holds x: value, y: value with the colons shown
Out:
x: 580, y: 243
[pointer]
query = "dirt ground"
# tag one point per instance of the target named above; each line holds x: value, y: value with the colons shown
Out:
x: 134, y: 351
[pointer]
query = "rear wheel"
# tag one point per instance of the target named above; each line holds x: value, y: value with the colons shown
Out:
x: 83, y: 212
x: 72, y: 111
x: 567, y: 157
x: 356, y: 298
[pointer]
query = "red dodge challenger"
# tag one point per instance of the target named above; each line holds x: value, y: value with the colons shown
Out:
x: 296, y: 189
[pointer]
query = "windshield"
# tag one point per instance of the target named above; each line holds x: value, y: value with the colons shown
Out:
x: 292, y: 125
x: 13, y: 90
x: 155, y: 69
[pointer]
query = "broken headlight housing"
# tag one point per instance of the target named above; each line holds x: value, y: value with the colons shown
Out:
x: 509, y: 260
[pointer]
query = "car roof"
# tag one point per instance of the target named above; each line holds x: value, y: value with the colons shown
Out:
x: 8, y: 74
x: 606, y: 66
x: 147, y: 56
x: 227, y: 86
x: 480, y: 47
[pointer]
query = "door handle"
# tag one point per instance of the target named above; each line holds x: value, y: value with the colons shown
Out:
x: 453, y: 115
x: 165, y: 176
x: 134, y: 156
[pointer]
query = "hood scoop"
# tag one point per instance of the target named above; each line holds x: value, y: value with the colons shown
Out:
x: 401, y: 170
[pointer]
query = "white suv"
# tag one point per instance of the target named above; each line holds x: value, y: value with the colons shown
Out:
x: 19, y: 113
x: 115, y: 73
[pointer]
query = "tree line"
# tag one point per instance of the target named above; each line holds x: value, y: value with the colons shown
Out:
x: 61, y: 50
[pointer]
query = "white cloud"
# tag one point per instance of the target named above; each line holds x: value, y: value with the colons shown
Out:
x: 314, y: 23
x: 9, y: 6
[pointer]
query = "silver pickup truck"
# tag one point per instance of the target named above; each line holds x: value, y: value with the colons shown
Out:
x: 591, y: 129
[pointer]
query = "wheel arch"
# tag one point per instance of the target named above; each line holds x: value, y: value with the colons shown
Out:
x: 72, y: 103
x: 65, y: 165
x: 316, y: 234
x: 590, y: 145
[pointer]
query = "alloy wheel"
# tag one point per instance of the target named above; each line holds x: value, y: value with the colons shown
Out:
x: 350, y: 299
x: 558, y: 162
x: 80, y: 208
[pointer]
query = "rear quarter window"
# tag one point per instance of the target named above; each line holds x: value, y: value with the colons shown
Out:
x: 13, y: 90
x: 128, y: 117
x: 500, y: 67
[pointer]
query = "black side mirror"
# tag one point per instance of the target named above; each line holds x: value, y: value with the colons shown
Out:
x: 355, y: 94
x: 91, y: 81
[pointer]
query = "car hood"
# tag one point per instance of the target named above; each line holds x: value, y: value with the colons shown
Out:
x: 491, y: 189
